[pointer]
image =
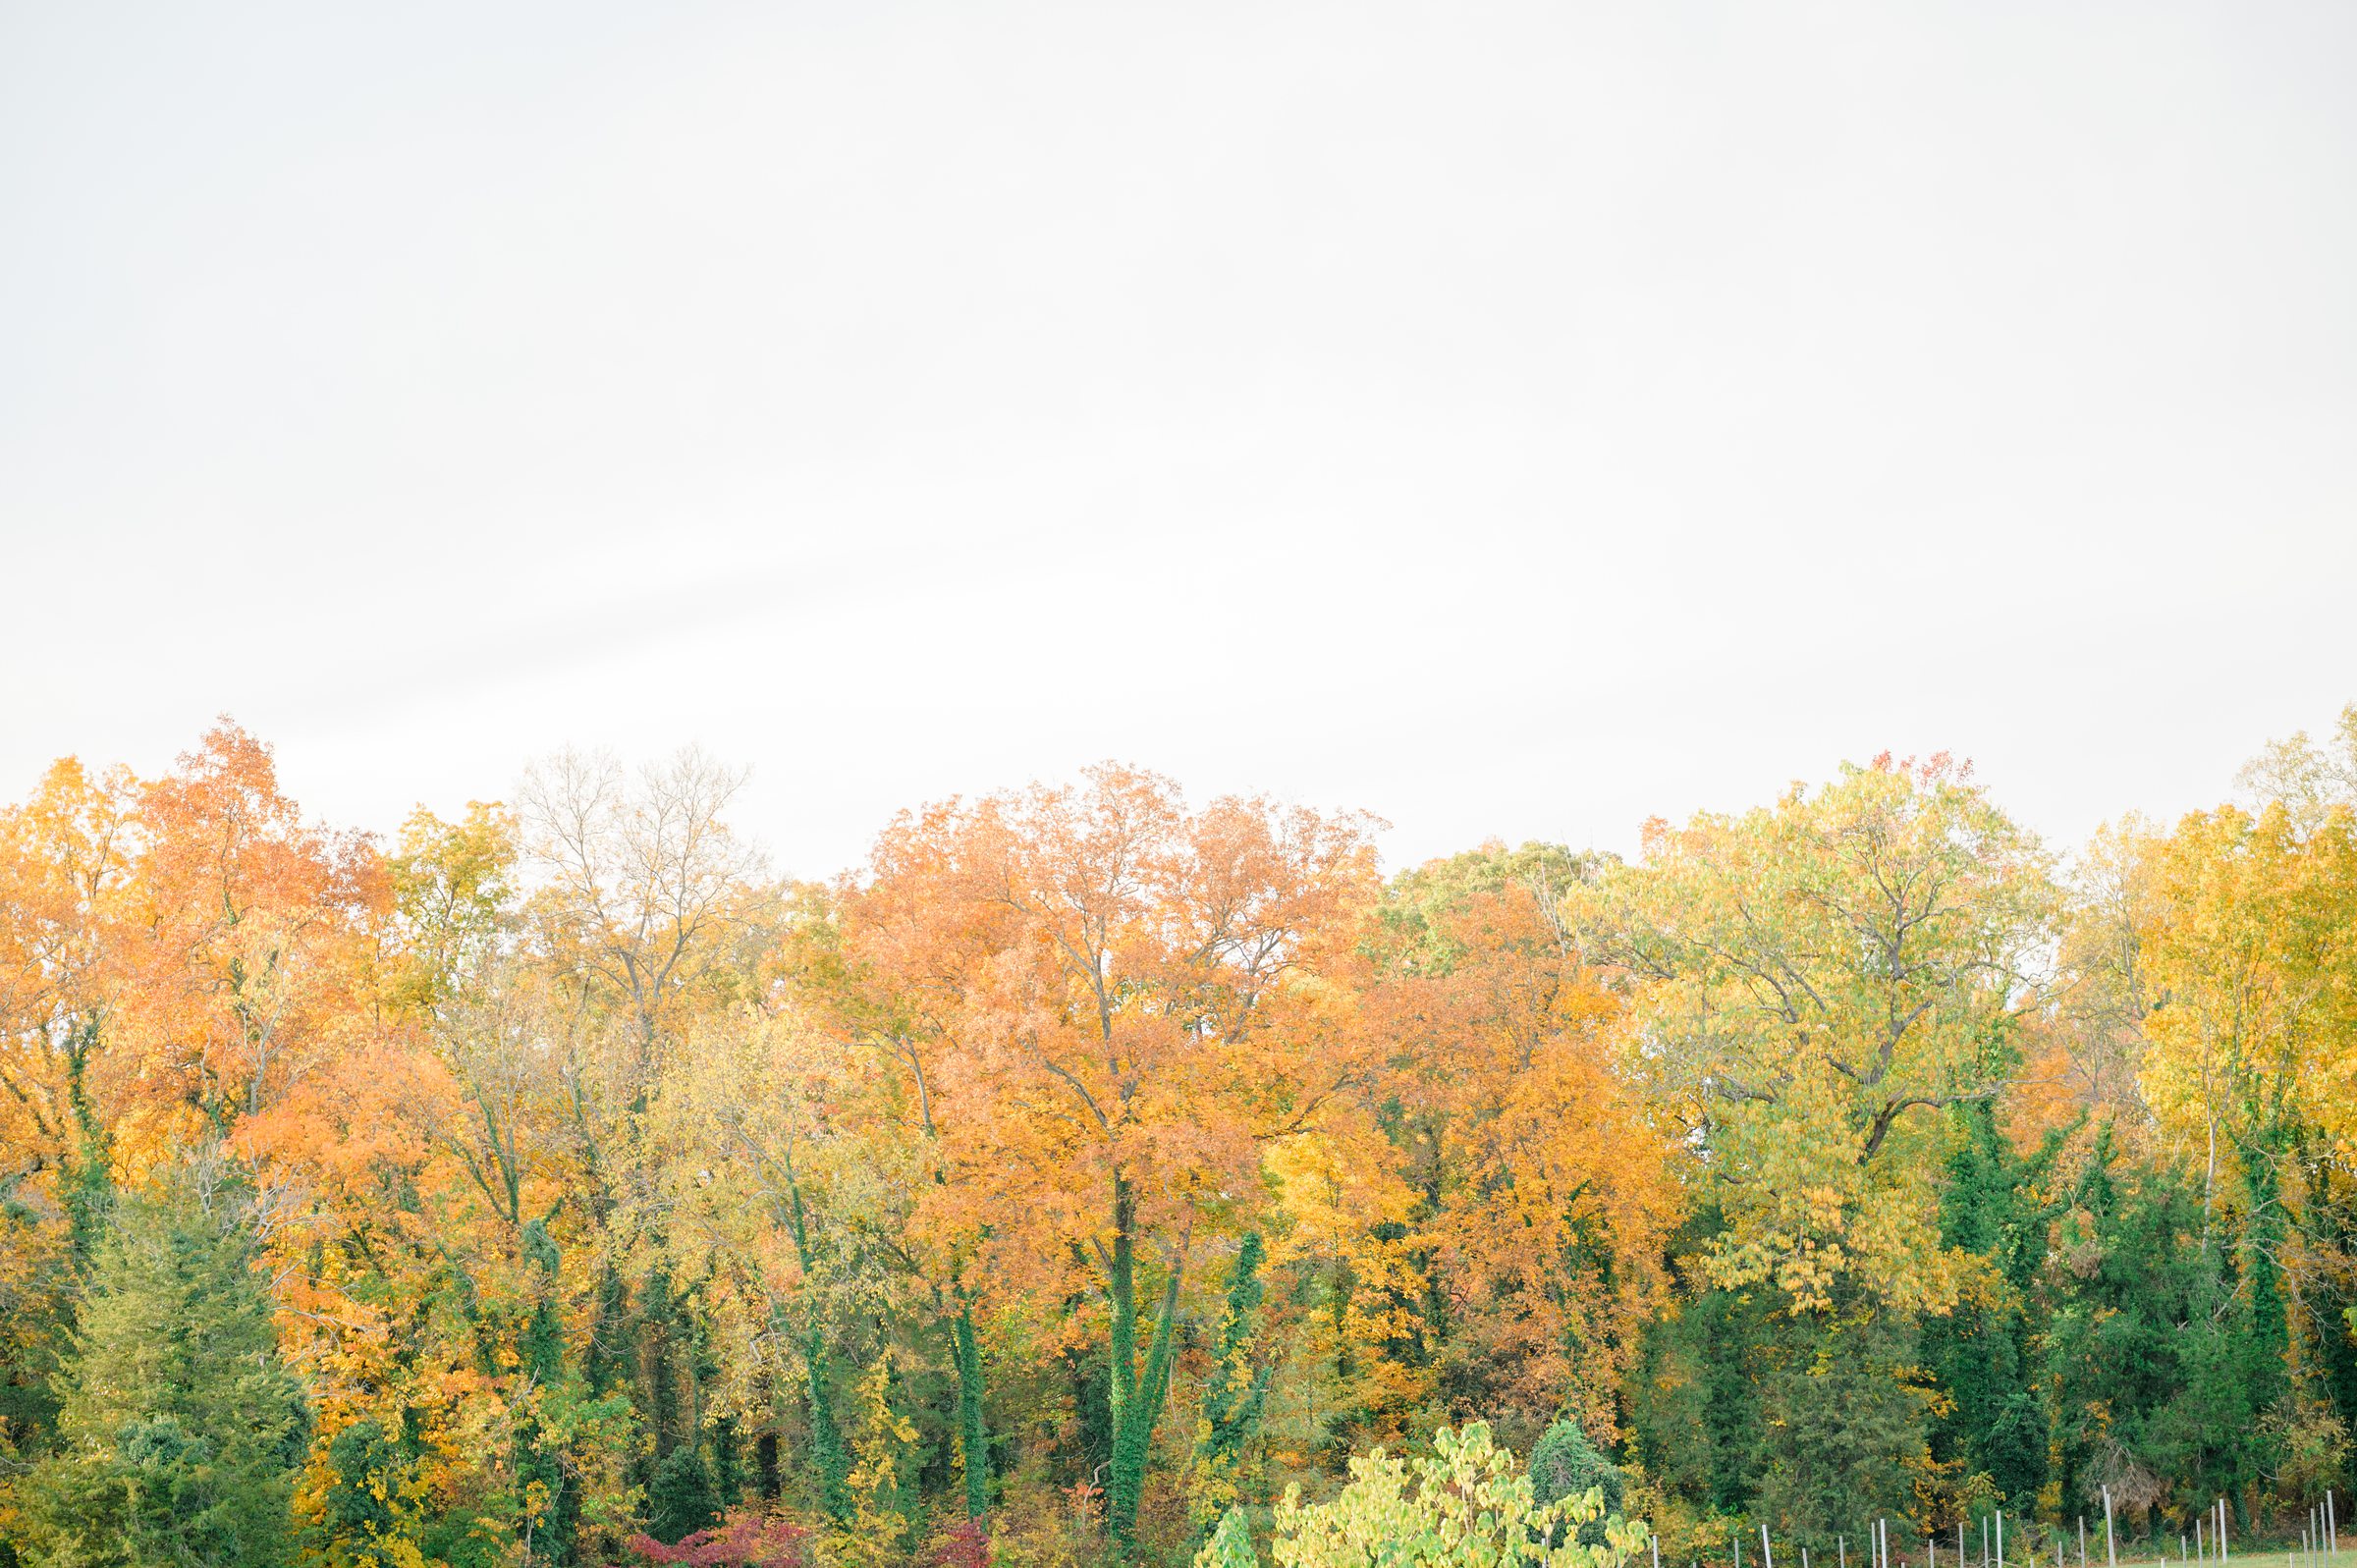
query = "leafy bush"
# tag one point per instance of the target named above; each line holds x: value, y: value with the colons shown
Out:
x: 1467, y: 1506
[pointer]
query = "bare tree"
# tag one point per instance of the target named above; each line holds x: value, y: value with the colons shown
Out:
x: 642, y: 888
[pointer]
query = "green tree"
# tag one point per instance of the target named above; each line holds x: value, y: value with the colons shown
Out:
x: 1843, y: 1434
x: 182, y: 1430
x: 680, y: 1500
x: 2111, y: 1321
x: 1995, y: 1208
x: 1694, y: 1406
x: 1565, y: 1464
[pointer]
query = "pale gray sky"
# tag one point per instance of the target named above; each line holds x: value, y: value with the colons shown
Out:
x: 1516, y: 420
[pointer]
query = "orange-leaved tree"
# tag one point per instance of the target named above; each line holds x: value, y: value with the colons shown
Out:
x: 255, y: 938
x: 1116, y: 1006
x: 1545, y: 1191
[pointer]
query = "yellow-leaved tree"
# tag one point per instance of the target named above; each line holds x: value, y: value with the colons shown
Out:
x: 1809, y: 976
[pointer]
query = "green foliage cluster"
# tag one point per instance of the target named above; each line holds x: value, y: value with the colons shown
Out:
x: 180, y: 1432
x: 2113, y: 1339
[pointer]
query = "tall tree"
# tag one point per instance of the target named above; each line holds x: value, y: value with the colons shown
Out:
x: 183, y: 1429
x: 643, y: 889
x: 1544, y: 1187
x: 2250, y: 1063
x: 1810, y: 976
x: 1147, y: 1023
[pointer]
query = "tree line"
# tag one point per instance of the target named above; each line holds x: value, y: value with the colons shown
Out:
x: 1092, y: 1174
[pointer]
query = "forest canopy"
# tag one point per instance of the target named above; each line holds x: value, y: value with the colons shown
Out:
x: 1096, y: 1174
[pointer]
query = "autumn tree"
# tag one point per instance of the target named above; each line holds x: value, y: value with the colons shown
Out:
x: 512, y: 1215
x: 1150, y: 1017
x: 1807, y: 976
x: 64, y: 868
x: 254, y: 928
x: 2249, y: 1065
x: 1543, y: 1185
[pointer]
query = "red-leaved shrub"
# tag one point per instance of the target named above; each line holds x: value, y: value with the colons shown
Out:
x: 744, y: 1539
x: 964, y: 1544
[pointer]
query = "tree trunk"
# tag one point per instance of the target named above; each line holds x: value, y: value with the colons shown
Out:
x: 973, y: 1436
x: 827, y: 1455
x: 1136, y: 1399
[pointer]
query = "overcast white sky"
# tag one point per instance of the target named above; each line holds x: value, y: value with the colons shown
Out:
x: 1515, y: 420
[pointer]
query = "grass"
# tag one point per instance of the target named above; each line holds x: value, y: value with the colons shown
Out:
x: 2265, y: 1557
x: 2276, y: 1557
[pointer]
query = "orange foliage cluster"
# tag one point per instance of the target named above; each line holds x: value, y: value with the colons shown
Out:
x: 1042, y: 1064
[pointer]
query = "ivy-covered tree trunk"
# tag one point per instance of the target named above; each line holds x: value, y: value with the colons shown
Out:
x: 658, y: 1333
x: 728, y: 1463
x: 1137, y: 1394
x: 830, y: 1461
x: 89, y: 1187
x: 973, y: 1434
x: 1234, y: 1392
x: 550, y: 1495
x: 2262, y: 1241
